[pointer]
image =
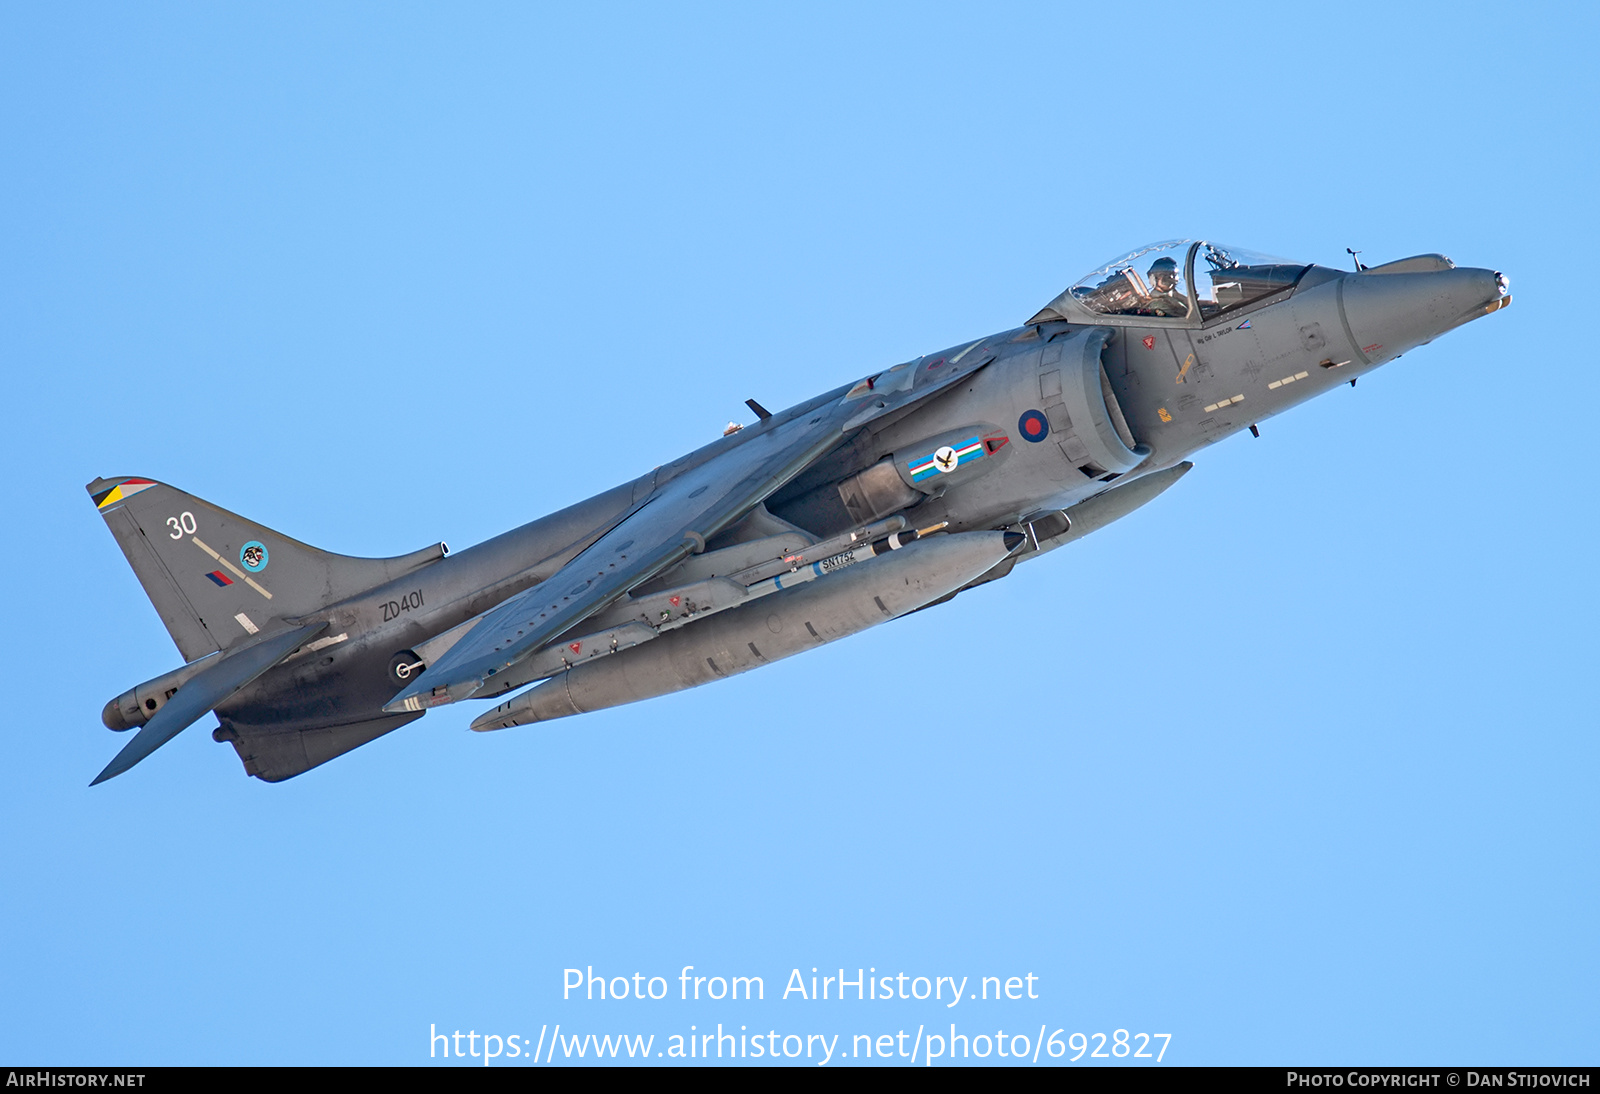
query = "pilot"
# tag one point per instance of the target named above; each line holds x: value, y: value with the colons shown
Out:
x: 1165, y: 299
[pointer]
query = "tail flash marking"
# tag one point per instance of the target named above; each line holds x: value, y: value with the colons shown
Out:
x: 240, y: 574
x: 121, y: 492
x: 220, y: 579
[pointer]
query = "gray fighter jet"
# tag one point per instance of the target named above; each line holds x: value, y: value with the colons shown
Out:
x: 884, y: 496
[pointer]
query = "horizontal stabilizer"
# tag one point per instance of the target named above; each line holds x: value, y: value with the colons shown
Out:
x: 204, y: 691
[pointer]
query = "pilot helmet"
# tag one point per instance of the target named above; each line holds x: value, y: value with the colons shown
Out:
x: 1164, y: 265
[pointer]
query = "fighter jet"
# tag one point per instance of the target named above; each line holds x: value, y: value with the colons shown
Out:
x: 889, y: 494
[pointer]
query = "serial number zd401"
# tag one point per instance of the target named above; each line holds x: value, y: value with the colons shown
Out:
x: 410, y: 602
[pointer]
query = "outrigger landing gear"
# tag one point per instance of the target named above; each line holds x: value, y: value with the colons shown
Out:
x: 404, y: 665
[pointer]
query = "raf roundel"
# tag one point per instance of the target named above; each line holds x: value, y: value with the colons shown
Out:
x: 1033, y: 426
x: 253, y: 556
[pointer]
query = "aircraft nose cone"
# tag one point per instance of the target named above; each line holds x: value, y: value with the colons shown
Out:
x: 1391, y: 313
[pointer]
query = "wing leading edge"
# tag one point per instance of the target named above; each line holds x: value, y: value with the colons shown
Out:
x: 673, y: 523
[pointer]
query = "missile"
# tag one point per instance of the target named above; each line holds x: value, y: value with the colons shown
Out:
x: 878, y: 587
x: 815, y: 562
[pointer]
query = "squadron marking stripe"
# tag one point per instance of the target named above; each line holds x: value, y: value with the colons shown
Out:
x: 240, y: 574
x: 970, y: 449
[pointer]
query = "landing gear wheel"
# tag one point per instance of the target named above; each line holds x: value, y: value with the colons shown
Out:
x: 404, y: 667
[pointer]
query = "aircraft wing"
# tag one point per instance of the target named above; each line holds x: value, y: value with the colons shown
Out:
x: 674, y: 522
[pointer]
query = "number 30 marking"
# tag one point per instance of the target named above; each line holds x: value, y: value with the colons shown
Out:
x: 182, y: 524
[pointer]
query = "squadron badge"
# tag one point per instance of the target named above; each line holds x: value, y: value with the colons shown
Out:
x: 253, y: 556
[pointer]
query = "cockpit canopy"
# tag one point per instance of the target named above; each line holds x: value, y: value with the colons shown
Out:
x: 1174, y: 278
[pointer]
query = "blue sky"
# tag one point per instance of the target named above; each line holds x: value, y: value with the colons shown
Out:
x: 1296, y: 764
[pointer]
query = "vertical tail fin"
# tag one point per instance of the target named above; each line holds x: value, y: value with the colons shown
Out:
x: 216, y: 578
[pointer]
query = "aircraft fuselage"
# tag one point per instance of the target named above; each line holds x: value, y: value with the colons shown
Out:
x: 1040, y: 429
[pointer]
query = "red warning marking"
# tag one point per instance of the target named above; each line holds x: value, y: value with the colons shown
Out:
x: 936, y: 364
x: 674, y: 600
x: 1149, y: 341
x: 575, y: 646
x: 1374, y: 346
x: 995, y: 444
